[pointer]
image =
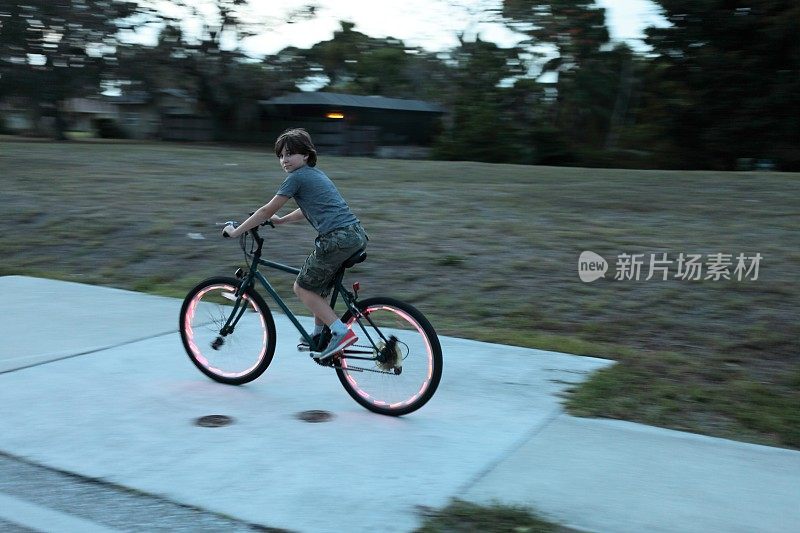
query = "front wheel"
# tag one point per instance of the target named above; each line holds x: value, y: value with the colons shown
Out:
x: 396, y: 365
x: 234, y: 357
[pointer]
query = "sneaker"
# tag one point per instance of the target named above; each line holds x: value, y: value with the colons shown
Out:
x: 336, y: 345
x: 319, y: 341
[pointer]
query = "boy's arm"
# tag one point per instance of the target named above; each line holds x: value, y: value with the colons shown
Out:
x: 295, y: 216
x: 264, y: 213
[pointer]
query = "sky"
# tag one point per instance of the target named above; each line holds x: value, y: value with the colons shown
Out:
x: 429, y: 24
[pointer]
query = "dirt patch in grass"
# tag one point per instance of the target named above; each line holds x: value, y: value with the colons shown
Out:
x: 487, y: 251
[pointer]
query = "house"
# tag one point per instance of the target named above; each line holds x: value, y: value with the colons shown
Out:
x: 168, y: 114
x: 347, y: 124
x: 137, y: 114
x: 132, y: 115
x: 20, y: 115
x: 93, y: 115
x: 182, y: 118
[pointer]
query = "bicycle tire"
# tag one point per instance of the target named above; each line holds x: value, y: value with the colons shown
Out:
x: 386, y: 392
x: 243, y: 355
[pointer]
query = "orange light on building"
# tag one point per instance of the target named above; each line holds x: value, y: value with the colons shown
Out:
x: 334, y: 115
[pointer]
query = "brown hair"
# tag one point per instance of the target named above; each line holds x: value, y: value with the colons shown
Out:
x: 297, y: 141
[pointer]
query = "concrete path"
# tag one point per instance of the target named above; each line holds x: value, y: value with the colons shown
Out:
x: 609, y: 475
x: 95, y: 381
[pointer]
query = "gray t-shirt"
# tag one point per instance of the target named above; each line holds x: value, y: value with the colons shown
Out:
x: 318, y: 198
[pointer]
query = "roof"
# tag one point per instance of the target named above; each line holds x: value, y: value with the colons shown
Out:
x: 352, y: 100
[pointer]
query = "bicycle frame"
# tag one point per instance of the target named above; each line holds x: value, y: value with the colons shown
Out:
x: 276, y: 297
x: 348, y: 298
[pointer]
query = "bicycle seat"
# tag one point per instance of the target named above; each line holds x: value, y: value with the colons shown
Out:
x: 358, y: 257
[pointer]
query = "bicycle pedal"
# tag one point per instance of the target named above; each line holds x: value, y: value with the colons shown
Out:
x: 303, y: 347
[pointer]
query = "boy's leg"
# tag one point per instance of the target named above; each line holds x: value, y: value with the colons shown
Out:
x: 341, y: 336
x: 316, y: 335
x: 323, y: 314
x: 315, y: 277
x: 330, y: 251
x: 319, y: 325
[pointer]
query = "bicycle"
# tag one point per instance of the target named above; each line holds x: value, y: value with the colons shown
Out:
x: 229, y: 334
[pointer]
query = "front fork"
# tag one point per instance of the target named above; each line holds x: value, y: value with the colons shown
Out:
x: 239, y: 308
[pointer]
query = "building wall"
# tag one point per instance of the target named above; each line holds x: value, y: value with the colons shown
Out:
x: 361, y: 131
x: 139, y: 122
x: 186, y: 128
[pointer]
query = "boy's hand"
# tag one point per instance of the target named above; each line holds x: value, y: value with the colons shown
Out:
x: 276, y: 220
x: 229, y: 231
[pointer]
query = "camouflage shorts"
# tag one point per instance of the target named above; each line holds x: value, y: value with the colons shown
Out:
x: 330, y: 251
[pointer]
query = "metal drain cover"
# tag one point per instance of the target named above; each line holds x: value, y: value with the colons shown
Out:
x: 213, y: 421
x: 314, y: 416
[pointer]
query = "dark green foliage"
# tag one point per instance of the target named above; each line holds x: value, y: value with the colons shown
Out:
x: 588, y: 76
x: 482, y: 126
x: 50, y: 51
x: 226, y: 84
x: 725, y: 83
x: 576, y: 28
x: 566, y: 122
x: 356, y: 63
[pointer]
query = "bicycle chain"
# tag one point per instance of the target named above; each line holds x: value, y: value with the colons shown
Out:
x: 360, y: 369
x: 356, y: 368
x: 330, y: 364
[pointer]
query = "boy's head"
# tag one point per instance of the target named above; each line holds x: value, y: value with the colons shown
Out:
x: 296, y: 141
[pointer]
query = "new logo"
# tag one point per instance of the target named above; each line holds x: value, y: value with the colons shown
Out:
x: 591, y: 266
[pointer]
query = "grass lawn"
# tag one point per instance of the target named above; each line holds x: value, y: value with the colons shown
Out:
x: 486, y: 251
x: 465, y: 517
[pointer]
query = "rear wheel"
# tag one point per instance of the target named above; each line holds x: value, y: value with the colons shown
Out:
x: 243, y: 354
x: 402, y: 363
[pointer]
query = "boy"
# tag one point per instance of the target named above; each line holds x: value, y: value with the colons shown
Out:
x: 340, y: 232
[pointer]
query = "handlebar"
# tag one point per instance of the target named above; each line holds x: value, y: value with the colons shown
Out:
x: 253, y: 231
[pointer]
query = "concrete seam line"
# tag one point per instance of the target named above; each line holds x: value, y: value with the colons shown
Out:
x: 40, y: 518
x: 530, y: 434
x: 87, y: 352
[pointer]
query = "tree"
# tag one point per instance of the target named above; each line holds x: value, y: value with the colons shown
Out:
x: 482, y: 125
x: 576, y: 28
x: 50, y: 51
x: 588, y: 74
x: 353, y: 62
x: 726, y: 82
x: 209, y: 64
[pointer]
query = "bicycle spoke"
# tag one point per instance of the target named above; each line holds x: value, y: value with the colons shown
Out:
x: 405, y: 363
x: 236, y: 356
